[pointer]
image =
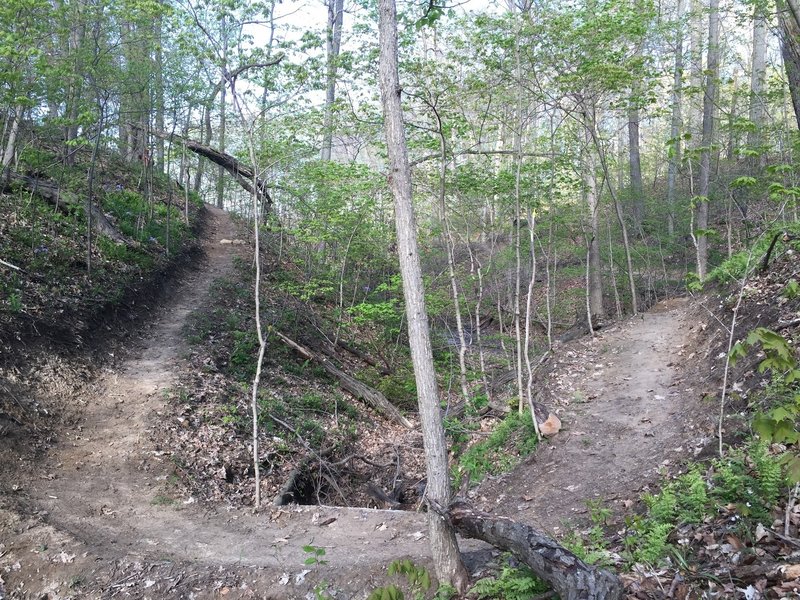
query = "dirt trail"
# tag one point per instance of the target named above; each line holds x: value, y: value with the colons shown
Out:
x: 627, y: 412
x: 102, y: 520
x: 104, y: 513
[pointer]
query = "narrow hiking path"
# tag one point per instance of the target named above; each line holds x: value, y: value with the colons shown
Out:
x: 628, y: 411
x: 102, y: 512
x: 103, y: 501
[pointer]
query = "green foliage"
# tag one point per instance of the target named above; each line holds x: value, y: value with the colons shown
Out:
x: 512, y: 440
x: 792, y: 290
x: 315, y: 555
x: 243, y: 354
x: 685, y: 500
x: 751, y: 479
x: 734, y: 268
x: 518, y: 583
x: 417, y: 580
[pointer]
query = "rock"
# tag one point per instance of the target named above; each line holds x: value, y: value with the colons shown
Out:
x: 551, y: 426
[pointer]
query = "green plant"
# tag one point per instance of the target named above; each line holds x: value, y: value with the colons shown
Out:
x: 777, y: 423
x: 417, y: 578
x: 15, y: 302
x: 791, y: 290
x: 315, y: 555
x: 513, y: 439
x: 511, y: 583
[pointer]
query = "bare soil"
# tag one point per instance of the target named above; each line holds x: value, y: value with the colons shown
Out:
x: 629, y: 410
x: 97, y: 517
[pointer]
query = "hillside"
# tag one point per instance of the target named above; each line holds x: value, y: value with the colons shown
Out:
x: 138, y: 489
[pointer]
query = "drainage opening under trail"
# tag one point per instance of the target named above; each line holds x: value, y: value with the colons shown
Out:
x: 351, y: 481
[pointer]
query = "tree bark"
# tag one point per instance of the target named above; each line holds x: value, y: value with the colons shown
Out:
x: 444, y: 547
x: 594, y: 268
x: 675, y: 124
x: 222, y: 113
x: 709, y: 111
x: 635, y: 165
x: 757, y: 76
x: 335, y: 19
x: 245, y: 175
x: 570, y: 577
x: 790, y: 50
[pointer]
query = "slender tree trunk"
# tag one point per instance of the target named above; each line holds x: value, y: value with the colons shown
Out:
x: 758, y: 69
x: 696, y: 27
x: 528, y: 312
x: 444, y: 547
x: 594, y: 268
x: 158, y: 90
x: 675, y: 123
x: 222, y: 113
x: 709, y: 98
x: 733, y: 136
x: 11, y: 142
x: 449, y: 243
x: 335, y: 18
x: 518, y: 225
x: 635, y: 164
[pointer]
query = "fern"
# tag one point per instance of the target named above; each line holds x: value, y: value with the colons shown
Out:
x: 653, y: 545
x: 510, y: 584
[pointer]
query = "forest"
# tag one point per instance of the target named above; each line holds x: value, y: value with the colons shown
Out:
x: 378, y: 299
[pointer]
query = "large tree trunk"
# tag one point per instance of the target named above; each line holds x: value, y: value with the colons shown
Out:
x: 790, y: 49
x: 594, y: 267
x: 709, y: 110
x: 335, y: 18
x: 675, y: 124
x: 158, y: 91
x: 695, y: 106
x: 570, y: 577
x: 444, y: 547
x: 757, y: 75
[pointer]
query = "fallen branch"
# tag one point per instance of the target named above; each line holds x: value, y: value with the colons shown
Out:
x: 383, y: 370
x: 783, y: 236
x: 570, y: 577
x: 242, y: 173
x: 10, y: 266
x: 360, y: 390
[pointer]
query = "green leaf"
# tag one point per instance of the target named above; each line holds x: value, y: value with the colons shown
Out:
x: 764, y: 427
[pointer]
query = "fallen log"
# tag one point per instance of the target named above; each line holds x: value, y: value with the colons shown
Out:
x: 382, y: 369
x: 360, y: 390
x: 62, y: 199
x: 571, y: 578
x: 242, y: 173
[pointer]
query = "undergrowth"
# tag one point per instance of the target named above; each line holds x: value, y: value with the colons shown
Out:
x: 513, y: 439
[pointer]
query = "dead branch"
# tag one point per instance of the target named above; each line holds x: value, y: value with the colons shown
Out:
x: 570, y: 577
x: 10, y: 266
x: 242, y: 173
x: 359, y: 390
x: 784, y: 237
